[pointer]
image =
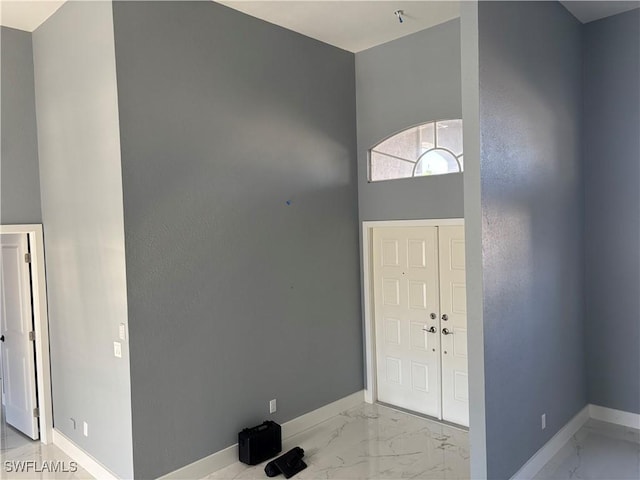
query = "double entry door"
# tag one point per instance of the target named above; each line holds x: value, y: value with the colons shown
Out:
x: 421, y: 320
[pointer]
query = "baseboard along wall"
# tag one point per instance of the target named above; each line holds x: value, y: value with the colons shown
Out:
x: 86, y: 461
x: 229, y: 455
x: 549, y: 449
x: 223, y: 458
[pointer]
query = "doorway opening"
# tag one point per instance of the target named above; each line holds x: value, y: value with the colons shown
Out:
x: 24, y: 333
x: 415, y: 317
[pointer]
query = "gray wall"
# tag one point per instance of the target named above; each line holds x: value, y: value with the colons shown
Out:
x: 235, y: 297
x: 399, y: 84
x: 78, y: 140
x: 20, y: 184
x: 611, y: 149
x: 532, y: 209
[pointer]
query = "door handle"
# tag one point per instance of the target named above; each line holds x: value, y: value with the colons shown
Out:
x: 2, y: 338
x: 430, y: 330
x: 445, y: 331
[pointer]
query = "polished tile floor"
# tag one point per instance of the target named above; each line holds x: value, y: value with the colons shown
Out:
x: 16, y: 448
x: 373, y: 442
x: 377, y: 442
x: 598, y: 451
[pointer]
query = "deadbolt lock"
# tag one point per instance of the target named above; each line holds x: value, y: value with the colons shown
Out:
x: 445, y: 317
x: 433, y: 316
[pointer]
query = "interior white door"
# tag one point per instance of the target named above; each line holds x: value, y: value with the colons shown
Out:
x: 405, y: 273
x: 453, y: 325
x: 16, y: 322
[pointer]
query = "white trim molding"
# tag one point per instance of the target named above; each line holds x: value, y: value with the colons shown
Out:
x: 626, y: 419
x: 549, y: 449
x: 370, y: 389
x: 223, y: 458
x: 203, y: 467
x: 86, y: 461
x: 553, y: 446
x: 41, y: 324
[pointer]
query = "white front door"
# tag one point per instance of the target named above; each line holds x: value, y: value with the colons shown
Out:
x: 16, y: 322
x: 406, y: 307
x: 453, y: 325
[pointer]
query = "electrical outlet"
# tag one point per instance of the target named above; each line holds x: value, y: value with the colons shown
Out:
x: 272, y: 406
x: 122, y: 331
x: 117, y: 349
x: 544, y: 421
x: 85, y: 429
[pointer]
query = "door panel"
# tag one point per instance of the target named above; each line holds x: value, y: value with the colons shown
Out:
x: 16, y: 322
x: 406, y: 292
x: 453, y: 295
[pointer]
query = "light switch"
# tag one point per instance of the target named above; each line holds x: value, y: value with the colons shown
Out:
x: 117, y: 349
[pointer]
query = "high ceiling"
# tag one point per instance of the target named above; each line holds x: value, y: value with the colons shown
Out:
x: 595, y: 10
x: 351, y: 25
x: 26, y: 14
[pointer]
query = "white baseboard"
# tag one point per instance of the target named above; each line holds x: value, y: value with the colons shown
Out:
x: 549, y: 449
x: 223, y: 458
x: 203, y: 467
x: 626, y: 419
x: 86, y: 461
x: 308, y: 420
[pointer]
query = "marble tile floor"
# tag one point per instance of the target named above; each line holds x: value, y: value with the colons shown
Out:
x: 598, y: 451
x: 16, y: 447
x: 373, y: 442
x: 378, y: 442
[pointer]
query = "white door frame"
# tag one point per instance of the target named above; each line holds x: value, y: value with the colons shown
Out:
x: 41, y: 324
x: 371, y: 389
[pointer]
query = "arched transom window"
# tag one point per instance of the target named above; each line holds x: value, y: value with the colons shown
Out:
x: 434, y: 148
